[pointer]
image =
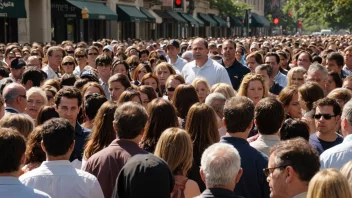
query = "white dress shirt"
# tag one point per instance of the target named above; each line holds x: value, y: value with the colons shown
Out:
x: 178, y: 64
x: 265, y: 142
x: 50, y: 72
x: 347, y: 71
x: 212, y: 71
x: 338, y: 155
x: 281, y: 79
x: 61, y: 180
x: 11, y: 187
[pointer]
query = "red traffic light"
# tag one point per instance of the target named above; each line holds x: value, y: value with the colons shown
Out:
x: 276, y: 21
x: 300, y: 22
x: 178, y: 2
x: 290, y: 13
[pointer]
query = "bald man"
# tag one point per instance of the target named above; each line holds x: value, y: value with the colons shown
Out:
x: 15, y: 98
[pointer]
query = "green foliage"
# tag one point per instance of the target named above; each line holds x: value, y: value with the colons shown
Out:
x: 230, y: 7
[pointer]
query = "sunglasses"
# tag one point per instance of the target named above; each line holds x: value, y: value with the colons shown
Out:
x: 68, y: 63
x: 93, y: 54
x: 49, y: 97
x: 80, y: 56
x: 170, y: 89
x: 70, y: 52
x: 325, y: 116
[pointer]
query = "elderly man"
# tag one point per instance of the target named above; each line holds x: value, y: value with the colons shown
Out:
x: 220, y: 170
x: 317, y: 73
x: 15, y: 98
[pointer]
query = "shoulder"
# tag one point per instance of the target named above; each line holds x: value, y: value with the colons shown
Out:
x: 191, y: 189
x: 30, y: 175
x: 86, y: 175
x: 34, y: 193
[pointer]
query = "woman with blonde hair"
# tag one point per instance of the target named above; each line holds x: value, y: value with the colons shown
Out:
x: 226, y: 90
x: 202, y: 88
x: 23, y: 123
x: 202, y: 126
x: 346, y: 171
x: 341, y: 95
x: 175, y: 147
x: 68, y: 65
x: 36, y: 99
x: 329, y: 183
x: 253, y: 87
x: 295, y: 76
x: 163, y: 71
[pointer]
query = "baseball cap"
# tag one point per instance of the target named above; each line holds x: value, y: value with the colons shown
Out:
x: 174, y: 43
x: 89, y: 74
x: 108, y: 47
x: 17, y: 63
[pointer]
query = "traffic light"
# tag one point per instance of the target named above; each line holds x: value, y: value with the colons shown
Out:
x: 276, y: 21
x: 178, y: 5
x: 300, y: 24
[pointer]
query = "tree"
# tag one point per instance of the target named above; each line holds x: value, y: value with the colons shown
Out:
x: 230, y: 7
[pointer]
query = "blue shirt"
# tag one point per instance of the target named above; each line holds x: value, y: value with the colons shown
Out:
x: 338, y: 155
x: 236, y: 72
x: 12, y: 187
x: 321, y: 145
x: 280, y: 79
x: 253, y: 182
x: 81, y: 135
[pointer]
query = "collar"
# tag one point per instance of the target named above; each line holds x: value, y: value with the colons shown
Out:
x: 102, y: 82
x: 206, y: 64
x: 78, y: 128
x: 169, y: 60
x: 235, y: 139
x: 301, y: 195
x: 218, y: 191
x: 348, y: 138
x: 7, y: 180
x: 51, y: 69
x: 269, y: 137
x: 278, y: 75
x: 11, y: 108
x: 56, y: 163
x: 123, y: 142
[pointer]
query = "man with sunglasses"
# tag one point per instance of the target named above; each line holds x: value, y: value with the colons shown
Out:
x: 327, y: 117
x: 292, y: 164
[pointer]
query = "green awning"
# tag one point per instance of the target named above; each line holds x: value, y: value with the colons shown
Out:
x: 176, y: 16
x: 150, y: 17
x: 208, y: 21
x: 190, y: 19
x: 12, y: 9
x: 170, y: 16
x: 130, y: 14
x: 95, y: 10
x: 259, y: 21
x: 236, y: 22
x: 221, y: 22
x: 201, y: 23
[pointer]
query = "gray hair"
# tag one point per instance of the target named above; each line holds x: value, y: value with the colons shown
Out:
x: 37, y: 90
x: 220, y: 164
x: 317, y: 67
x: 187, y: 54
x: 214, y: 96
x: 11, y: 92
x: 347, y: 112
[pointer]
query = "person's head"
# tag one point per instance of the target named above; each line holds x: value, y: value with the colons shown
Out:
x: 68, y: 80
x: 266, y: 72
x: 327, y: 115
x: 163, y: 71
x: 200, y: 49
x: 292, y: 164
x: 143, y: 55
x: 54, y: 83
x: 268, y: 116
x: 223, y: 88
x: 23, y: 123
x: 317, y: 73
x: 173, y: 48
x: 93, y: 53
x: 103, y: 63
x: 253, y: 60
x: 202, y: 88
x: 34, y: 152
x: 201, y: 125
x: 118, y: 83
x: 34, y: 62
x: 340, y: 95
x: 58, y: 138
x: 55, y: 55
x: 81, y: 56
x: 335, y: 62
x: 158, y: 122
x: 308, y: 93
x: 221, y: 166
x: 36, y: 99
x: 295, y: 76
x: 346, y: 171
x: 68, y: 64
x: 129, y: 120
x: 50, y: 92
x: 228, y: 49
x: 92, y: 87
x: 304, y: 59
x: 293, y: 128
x: 175, y: 147
x: 147, y: 94
x: 141, y: 70
x: 333, y: 81
x: 151, y: 80
x: 348, y: 56
x: 171, y: 84
x: 120, y: 67
x: 183, y: 98
x: 92, y: 103
x: 130, y: 95
x: 15, y: 96
x: 273, y: 59
x: 347, y: 83
x: 329, y: 183
x: 144, y: 176
x: 46, y: 113
x: 238, y: 114
x: 254, y: 87
x: 188, y: 56
x: 217, y: 102
x: 103, y: 131
x: 289, y: 98
x: 68, y: 102
x: 12, y: 147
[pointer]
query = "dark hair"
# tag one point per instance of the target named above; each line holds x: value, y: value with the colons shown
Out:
x: 34, y: 152
x: 33, y: 75
x: 184, y: 97
x: 46, y: 113
x: 298, y: 154
x: 317, y: 59
x: 269, y: 115
x: 58, y: 135
x: 12, y: 146
x: 149, y: 91
x: 265, y: 67
x: 103, y: 59
x: 328, y: 102
x: 305, y: 52
x: 238, y: 113
x: 143, y: 52
x: 277, y: 57
x: 337, y: 78
x: 128, y: 94
x: 294, y: 128
x: 121, y: 79
x: 310, y: 92
x: 79, y: 84
x: 257, y: 56
x: 118, y: 62
x: 130, y: 119
x: 92, y: 103
x: 68, y: 80
x: 337, y: 57
x: 158, y: 122
x: 68, y: 92
x: 138, y: 68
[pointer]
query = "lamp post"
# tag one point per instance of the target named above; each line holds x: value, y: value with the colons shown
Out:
x: 249, y: 20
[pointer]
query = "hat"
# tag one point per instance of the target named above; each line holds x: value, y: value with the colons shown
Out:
x: 17, y: 63
x: 173, y: 43
x: 108, y: 47
x: 144, y: 175
x: 89, y: 74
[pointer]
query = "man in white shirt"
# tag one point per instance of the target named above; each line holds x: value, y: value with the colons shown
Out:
x: 55, y: 55
x: 12, y: 148
x: 338, y: 155
x: 57, y: 176
x: 173, y: 48
x: 203, y: 66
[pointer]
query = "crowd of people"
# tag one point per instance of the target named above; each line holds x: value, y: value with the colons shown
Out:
x: 198, y: 117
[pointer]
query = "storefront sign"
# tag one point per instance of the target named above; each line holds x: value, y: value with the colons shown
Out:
x: 64, y: 9
x: 12, y: 9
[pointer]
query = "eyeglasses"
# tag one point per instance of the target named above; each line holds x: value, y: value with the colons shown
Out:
x: 103, y: 65
x: 170, y: 89
x: 268, y: 171
x: 325, y: 116
x: 68, y: 63
x: 93, y: 54
x: 80, y: 56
